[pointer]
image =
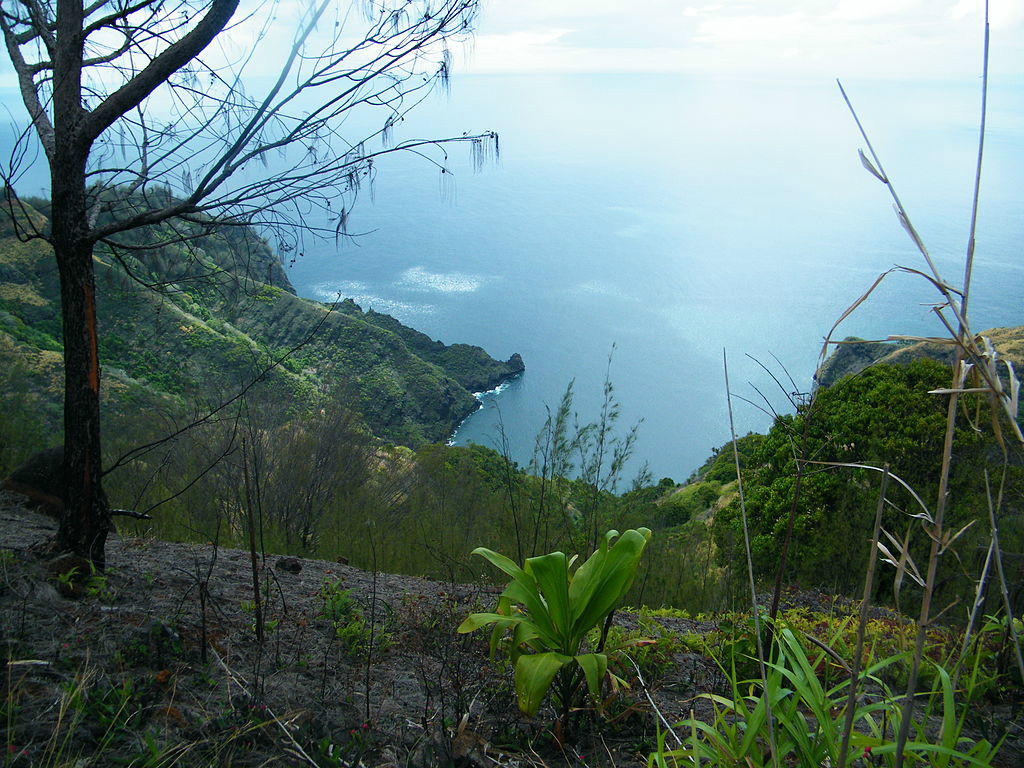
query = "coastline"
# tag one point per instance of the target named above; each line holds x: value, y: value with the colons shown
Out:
x: 480, y: 397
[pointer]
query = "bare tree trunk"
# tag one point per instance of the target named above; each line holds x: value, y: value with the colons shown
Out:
x: 85, y: 523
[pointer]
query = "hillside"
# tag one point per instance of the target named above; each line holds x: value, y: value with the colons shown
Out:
x: 164, y: 672
x: 206, y: 312
x: 853, y: 355
x: 156, y: 663
x: 470, y: 366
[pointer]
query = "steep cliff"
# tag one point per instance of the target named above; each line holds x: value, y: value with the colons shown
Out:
x: 854, y: 354
x: 197, y: 317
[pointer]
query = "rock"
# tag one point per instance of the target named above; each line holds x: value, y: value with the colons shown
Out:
x: 288, y: 564
x: 516, y: 364
x: 41, y: 480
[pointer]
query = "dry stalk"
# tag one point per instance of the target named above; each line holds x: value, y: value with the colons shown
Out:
x: 979, y: 599
x: 967, y: 347
x: 934, y: 555
x: 252, y: 544
x: 869, y: 584
x: 750, y: 568
x: 650, y: 700
x: 999, y: 568
x: 935, y: 551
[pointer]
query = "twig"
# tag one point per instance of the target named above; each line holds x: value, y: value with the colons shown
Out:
x: 234, y: 678
x: 373, y: 621
x: 643, y: 685
x: 979, y: 599
x: 999, y: 568
x: 969, y: 265
x: 250, y: 518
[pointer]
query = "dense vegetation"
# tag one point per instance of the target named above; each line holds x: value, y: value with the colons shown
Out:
x: 205, y: 314
x: 883, y: 415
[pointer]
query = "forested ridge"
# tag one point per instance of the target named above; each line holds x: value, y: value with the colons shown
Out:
x: 188, y: 323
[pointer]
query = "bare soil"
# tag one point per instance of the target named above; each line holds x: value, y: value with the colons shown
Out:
x: 158, y: 664
x: 428, y: 696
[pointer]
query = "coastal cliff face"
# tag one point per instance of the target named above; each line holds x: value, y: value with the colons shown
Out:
x: 470, y: 366
x: 218, y: 310
x: 855, y: 354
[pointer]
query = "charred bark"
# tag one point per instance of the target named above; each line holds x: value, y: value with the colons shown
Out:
x: 86, y: 519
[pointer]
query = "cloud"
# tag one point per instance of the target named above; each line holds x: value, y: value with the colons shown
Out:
x: 551, y: 51
x: 874, y: 10
x: 852, y: 38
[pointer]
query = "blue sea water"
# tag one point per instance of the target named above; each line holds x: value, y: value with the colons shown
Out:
x: 674, y: 218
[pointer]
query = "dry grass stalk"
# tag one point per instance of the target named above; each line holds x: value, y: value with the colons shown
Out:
x: 869, y: 585
x: 251, y: 523
x: 750, y: 566
x: 994, y: 523
x: 977, y: 353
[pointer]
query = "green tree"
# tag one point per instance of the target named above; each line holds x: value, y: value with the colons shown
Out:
x: 128, y: 93
x: 885, y: 414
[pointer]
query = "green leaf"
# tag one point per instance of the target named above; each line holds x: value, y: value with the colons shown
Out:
x: 477, y: 620
x: 528, y: 595
x: 499, y: 561
x: 524, y: 632
x: 533, y: 676
x: 595, y: 665
x: 552, y: 575
x: 605, y: 579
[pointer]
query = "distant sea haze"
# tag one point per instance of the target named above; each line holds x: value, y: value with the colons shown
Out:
x: 673, y: 218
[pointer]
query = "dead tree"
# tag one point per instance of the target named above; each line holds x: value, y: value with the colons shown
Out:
x: 143, y: 122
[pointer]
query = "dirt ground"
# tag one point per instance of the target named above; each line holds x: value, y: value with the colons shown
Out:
x: 428, y: 696
x: 157, y: 664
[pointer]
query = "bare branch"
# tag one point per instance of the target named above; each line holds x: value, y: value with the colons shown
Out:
x: 26, y: 84
x: 132, y: 93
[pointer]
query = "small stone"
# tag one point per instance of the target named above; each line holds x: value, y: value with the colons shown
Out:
x: 289, y: 564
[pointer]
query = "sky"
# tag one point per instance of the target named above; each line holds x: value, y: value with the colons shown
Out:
x: 883, y: 39
x: 887, y: 39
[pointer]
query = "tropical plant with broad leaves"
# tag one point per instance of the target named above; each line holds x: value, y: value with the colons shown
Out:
x: 551, y: 608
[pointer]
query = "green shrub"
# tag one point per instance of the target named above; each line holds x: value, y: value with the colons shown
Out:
x: 551, y: 610
x: 355, y: 634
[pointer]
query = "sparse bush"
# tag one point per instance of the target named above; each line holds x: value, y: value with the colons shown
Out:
x: 348, y: 621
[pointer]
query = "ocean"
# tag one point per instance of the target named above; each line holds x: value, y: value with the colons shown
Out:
x: 636, y: 226
x: 655, y: 221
